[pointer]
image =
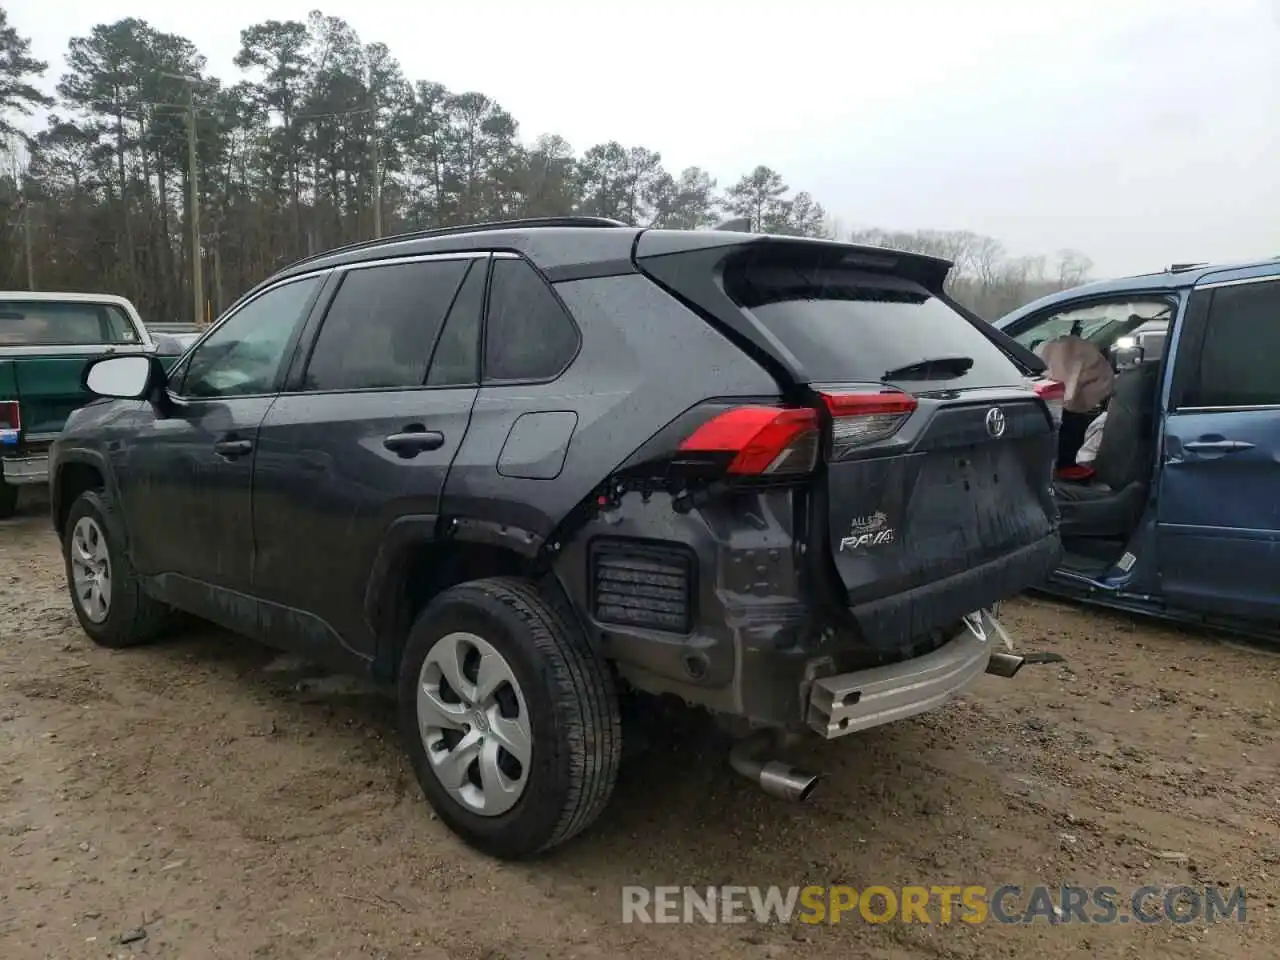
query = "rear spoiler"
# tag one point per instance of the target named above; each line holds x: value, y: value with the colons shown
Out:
x: 690, y: 266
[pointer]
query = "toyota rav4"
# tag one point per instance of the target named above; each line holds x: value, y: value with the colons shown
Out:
x: 512, y: 470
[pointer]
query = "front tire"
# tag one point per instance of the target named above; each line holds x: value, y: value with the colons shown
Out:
x: 105, y: 591
x: 510, y: 720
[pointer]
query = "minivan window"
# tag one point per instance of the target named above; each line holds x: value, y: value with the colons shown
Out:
x: 1238, y: 362
x: 1099, y: 322
x: 858, y: 327
x: 382, y: 325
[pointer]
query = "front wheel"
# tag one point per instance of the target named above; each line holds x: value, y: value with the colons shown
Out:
x: 105, y: 592
x: 510, y: 720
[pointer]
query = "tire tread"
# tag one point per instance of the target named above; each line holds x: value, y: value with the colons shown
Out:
x: 585, y: 686
x: 144, y: 618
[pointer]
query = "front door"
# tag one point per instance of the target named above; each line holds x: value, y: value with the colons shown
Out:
x: 363, y: 436
x: 1219, y: 527
x: 187, y: 481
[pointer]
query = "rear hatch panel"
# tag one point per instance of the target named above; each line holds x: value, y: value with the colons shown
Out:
x: 952, y: 508
x: 946, y: 519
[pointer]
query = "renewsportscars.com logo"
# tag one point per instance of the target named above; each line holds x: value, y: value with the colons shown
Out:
x: 973, y: 904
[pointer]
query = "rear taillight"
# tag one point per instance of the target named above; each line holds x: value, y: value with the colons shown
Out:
x: 10, y: 421
x: 861, y: 417
x: 759, y: 441
x: 1053, y: 394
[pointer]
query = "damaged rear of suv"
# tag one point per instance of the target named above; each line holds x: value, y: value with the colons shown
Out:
x: 784, y: 480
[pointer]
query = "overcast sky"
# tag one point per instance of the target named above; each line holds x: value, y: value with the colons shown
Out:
x: 1138, y: 131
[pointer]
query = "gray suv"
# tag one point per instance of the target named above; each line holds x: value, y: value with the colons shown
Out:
x: 513, y: 470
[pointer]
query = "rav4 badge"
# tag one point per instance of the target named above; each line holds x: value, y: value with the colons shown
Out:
x: 870, y: 531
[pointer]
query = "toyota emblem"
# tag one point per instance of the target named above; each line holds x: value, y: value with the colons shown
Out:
x: 995, y: 423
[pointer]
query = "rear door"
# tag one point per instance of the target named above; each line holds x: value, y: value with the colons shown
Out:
x: 1219, y: 529
x: 373, y: 414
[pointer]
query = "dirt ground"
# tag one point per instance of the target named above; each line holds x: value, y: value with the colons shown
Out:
x: 189, y: 800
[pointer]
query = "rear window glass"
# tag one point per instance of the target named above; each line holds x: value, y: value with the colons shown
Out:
x: 849, y: 326
x: 36, y: 323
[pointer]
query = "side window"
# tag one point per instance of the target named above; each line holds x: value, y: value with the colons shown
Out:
x: 1240, y: 358
x: 456, y: 362
x: 528, y: 335
x: 382, y: 325
x: 1099, y: 323
x: 243, y: 355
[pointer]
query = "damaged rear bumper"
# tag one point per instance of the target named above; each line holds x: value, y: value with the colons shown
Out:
x: 848, y: 702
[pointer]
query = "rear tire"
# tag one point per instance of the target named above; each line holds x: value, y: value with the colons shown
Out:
x: 8, y: 500
x: 521, y: 666
x: 105, y: 591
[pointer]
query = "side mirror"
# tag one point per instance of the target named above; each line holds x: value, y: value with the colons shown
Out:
x: 125, y: 378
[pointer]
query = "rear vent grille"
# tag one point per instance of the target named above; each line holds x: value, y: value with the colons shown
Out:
x: 641, y: 584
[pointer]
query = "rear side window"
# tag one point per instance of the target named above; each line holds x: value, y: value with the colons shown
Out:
x: 853, y: 326
x: 34, y: 323
x: 382, y: 325
x: 1240, y: 359
x: 456, y: 361
x: 528, y: 335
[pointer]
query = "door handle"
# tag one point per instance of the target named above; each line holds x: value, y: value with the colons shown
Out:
x: 1216, y: 446
x: 410, y: 443
x: 232, y: 448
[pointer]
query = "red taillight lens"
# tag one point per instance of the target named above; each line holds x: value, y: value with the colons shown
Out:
x: 1053, y: 394
x: 860, y: 417
x: 761, y: 441
x: 10, y: 415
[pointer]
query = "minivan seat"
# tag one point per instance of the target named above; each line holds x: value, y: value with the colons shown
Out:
x: 1110, y: 502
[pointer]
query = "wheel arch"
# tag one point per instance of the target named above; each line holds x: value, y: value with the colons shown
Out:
x: 421, y: 555
x: 76, y: 472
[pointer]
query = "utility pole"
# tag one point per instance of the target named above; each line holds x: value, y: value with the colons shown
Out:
x: 376, y: 189
x: 26, y: 241
x: 197, y: 279
x: 193, y: 204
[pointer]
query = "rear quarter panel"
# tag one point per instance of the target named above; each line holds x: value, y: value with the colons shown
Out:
x: 644, y: 360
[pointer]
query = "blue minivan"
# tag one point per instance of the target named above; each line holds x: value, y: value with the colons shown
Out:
x: 1180, y: 515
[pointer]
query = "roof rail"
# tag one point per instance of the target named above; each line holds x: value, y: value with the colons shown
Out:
x: 1180, y: 267
x: 529, y: 223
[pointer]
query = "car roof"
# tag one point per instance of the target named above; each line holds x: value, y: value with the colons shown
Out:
x: 57, y: 297
x: 1176, y: 278
x: 572, y: 247
x: 554, y: 244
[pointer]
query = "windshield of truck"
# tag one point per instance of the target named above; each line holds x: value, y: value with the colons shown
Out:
x: 41, y: 323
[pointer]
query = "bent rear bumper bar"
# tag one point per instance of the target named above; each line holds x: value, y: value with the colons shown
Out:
x: 849, y: 702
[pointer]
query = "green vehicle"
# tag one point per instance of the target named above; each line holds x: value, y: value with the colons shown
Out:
x: 45, y: 341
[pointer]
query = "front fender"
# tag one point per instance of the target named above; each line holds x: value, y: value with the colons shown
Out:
x: 64, y: 458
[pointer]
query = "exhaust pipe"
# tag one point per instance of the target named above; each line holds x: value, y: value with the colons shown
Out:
x: 1005, y: 664
x: 775, y: 778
